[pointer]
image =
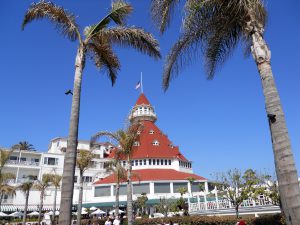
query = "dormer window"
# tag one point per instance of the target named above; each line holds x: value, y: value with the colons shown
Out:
x: 139, y: 132
x: 151, y: 131
x: 155, y: 142
x: 136, y: 143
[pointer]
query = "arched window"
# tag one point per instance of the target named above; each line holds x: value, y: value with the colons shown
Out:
x: 136, y: 143
x: 151, y: 131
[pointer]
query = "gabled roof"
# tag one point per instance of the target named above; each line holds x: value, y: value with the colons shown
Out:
x: 153, y: 175
x: 142, y: 100
x: 149, y: 134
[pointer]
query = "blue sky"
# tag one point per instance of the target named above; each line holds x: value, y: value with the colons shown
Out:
x: 219, y: 124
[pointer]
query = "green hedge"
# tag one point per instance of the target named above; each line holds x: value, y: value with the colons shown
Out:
x: 203, y: 220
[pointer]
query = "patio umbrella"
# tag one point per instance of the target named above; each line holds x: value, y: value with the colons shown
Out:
x: 114, y: 211
x: 34, y: 213
x: 93, y: 208
x: 2, y: 214
x: 98, y: 212
x: 16, y: 214
x: 51, y: 213
x: 83, y: 212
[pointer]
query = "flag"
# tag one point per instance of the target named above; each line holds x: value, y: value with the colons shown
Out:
x: 138, y: 85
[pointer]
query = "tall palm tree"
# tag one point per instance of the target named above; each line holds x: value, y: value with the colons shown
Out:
x: 214, y: 28
x: 119, y: 172
x: 42, y: 185
x: 84, y: 159
x: 98, y: 44
x: 126, y: 139
x: 25, y: 188
x: 55, y: 180
x: 6, y: 189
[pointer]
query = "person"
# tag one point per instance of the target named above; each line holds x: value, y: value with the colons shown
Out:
x: 116, y: 221
x: 89, y: 222
x: 242, y: 222
x: 107, y: 222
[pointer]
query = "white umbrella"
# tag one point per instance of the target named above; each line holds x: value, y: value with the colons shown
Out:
x: 98, y: 212
x: 114, y: 211
x: 83, y: 212
x: 34, y: 213
x: 51, y: 213
x: 93, y: 208
x: 83, y: 208
x: 2, y: 214
x: 16, y: 214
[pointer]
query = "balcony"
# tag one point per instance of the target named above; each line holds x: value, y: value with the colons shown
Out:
x: 25, y: 163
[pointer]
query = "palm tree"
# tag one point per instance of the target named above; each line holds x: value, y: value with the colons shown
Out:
x: 25, y: 188
x: 119, y: 172
x: 191, y: 180
x: 8, y: 190
x: 98, y: 44
x: 24, y: 145
x: 55, y: 180
x: 214, y: 28
x: 84, y: 159
x: 126, y: 139
x: 42, y: 185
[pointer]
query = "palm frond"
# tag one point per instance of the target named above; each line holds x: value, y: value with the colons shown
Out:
x: 132, y: 37
x: 104, y: 58
x: 64, y: 21
x: 162, y: 11
x: 100, y: 134
x: 119, y: 11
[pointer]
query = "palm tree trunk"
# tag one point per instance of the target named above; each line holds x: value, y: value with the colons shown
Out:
x: 129, y: 194
x: 54, y: 206
x: 117, y: 198
x: 26, y: 206
x: 284, y: 161
x: 41, y: 206
x: 1, y: 199
x: 70, y: 156
x: 80, y: 199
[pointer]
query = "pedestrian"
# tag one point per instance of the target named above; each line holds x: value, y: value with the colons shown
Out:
x: 107, y: 222
x: 116, y: 221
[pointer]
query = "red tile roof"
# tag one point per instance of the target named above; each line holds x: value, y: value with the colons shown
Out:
x: 153, y: 175
x: 146, y: 149
x: 142, y: 100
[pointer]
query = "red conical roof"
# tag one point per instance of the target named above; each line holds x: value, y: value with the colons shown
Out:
x: 142, y: 100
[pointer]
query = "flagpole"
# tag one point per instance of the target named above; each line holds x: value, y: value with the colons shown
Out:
x: 142, y: 91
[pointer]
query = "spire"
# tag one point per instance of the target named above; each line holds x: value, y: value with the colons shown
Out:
x: 142, y: 110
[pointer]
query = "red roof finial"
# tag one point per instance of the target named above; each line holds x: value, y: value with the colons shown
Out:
x: 142, y: 100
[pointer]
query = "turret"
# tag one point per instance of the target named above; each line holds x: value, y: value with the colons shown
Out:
x: 142, y: 110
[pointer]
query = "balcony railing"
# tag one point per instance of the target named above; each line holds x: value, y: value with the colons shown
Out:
x: 26, y: 163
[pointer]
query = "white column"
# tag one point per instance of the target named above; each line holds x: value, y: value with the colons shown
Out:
x: 111, y: 190
x: 152, y: 188
x: 206, y: 187
x: 20, y: 154
x: 205, y: 201
x: 190, y: 188
x: 171, y: 188
x: 198, y: 201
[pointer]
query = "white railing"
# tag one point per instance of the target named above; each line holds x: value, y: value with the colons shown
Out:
x: 226, y: 204
x: 26, y: 163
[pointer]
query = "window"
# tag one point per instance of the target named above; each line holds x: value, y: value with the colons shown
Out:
x: 166, y: 162
x: 178, y: 185
x: 162, y: 162
x: 155, y: 142
x: 141, y: 162
x: 102, y: 191
x: 132, y: 163
x: 136, y: 143
x: 196, y: 186
x: 145, y: 162
x: 141, y: 188
x: 87, y: 179
x: 124, y: 163
x: 150, y: 161
x: 162, y: 188
x: 50, y: 161
x: 136, y: 162
x: 154, y: 161
x: 157, y: 161
x: 14, y: 158
x: 170, y: 162
x: 122, y: 190
x: 75, y: 179
x: 151, y: 131
x: 23, y: 159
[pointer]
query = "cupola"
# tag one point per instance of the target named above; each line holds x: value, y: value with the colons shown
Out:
x: 142, y: 110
